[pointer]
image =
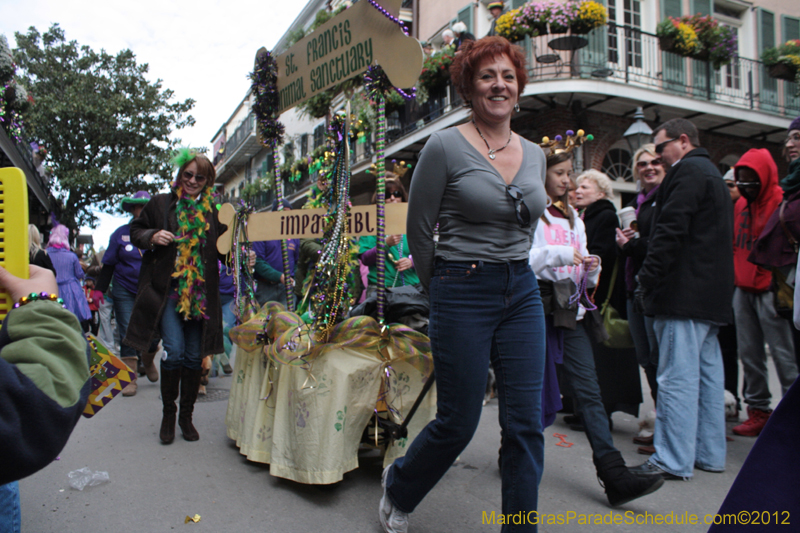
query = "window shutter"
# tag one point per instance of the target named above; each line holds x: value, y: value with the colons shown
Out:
x: 791, y: 28
x: 766, y: 30
x: 465, y: 16
x: 671, y: 8
x: 702, y: 7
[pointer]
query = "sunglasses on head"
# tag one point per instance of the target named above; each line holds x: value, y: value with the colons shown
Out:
x: 520, y: 209
x: 644, y: 164
x: 189, y: 176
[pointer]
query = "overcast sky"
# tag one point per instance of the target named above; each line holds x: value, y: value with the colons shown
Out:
x: 201, y: 49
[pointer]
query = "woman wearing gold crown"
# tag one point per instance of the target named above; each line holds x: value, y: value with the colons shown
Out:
x: 561, y: 261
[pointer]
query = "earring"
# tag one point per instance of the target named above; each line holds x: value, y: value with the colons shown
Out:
x: 516, y: 107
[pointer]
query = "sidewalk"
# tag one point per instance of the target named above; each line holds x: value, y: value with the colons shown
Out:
x: 154, y: 487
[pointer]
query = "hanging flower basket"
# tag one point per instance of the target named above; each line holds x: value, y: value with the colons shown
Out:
x: 782, y: 71
x: 783, y: 62
x: 666, y: 43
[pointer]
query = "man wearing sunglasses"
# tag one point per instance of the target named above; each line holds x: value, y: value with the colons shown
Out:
x: 686, y: 282
x: 756, y: 319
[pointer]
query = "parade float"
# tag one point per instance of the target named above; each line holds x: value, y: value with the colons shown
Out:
x: 312, y: 385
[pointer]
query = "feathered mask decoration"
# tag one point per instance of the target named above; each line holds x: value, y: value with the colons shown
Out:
x: 561, y: 145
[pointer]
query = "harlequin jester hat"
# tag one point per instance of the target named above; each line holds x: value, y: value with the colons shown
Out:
x: 493, y: 5
x: 560, y: 144
x: 139, y: 198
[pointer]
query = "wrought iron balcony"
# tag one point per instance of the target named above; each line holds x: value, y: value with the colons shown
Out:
x: 626, y: 55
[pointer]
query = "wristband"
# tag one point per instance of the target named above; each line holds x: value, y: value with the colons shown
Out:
x: 32, y: 297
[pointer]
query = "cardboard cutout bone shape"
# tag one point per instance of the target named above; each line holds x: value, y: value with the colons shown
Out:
x: 308, y: 223
x: 344, y: 47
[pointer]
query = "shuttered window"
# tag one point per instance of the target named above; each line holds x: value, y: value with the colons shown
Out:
x: 766, y: 30
x: 465, y: 16
x: 791, y: 28
x: 671, y: 8
x: 702, y: 7
x: 766, y: 39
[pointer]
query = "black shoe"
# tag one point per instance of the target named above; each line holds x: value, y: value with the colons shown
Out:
x: 620, y: 484
x: 649, y: 469
x: 575, y: 422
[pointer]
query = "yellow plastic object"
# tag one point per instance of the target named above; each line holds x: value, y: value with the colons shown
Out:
x: 13, y: 229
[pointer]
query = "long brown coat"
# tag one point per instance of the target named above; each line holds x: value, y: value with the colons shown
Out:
x: 156, y: 275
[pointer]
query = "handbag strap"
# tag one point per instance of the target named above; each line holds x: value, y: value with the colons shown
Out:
x: 786, y: 231
x: 614, y: 272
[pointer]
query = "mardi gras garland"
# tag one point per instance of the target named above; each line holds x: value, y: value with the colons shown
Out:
x: 189, y: 265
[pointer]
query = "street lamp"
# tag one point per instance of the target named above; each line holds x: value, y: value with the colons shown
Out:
x: 639, y: 132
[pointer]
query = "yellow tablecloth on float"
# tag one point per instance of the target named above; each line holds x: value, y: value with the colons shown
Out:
x: 306, y: 419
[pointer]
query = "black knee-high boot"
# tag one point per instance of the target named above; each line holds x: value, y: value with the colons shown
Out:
x: 170, y: 384
x: 190, y: 383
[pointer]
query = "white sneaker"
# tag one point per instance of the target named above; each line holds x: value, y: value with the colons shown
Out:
x: 392, y: 519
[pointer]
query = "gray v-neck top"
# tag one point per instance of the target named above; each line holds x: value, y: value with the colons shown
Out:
x: 456, y: 186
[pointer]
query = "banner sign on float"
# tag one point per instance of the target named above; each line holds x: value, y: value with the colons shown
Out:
x: 344, y: 47
x: 309, y: 223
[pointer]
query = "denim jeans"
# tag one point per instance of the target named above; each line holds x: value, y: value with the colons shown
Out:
x: 757, y: 322
x: 10, y: 515
x: 123, y: 308
x: 481, y: 313
x: 270, y: 292
x: 228, y: 320
x: 644, y: 340
x: 181, y: 338
x: 106, y: 332
x: 581, y: 375
x: 690, y: 419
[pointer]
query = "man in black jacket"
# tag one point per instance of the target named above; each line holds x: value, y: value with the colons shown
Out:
x: 686, y: 282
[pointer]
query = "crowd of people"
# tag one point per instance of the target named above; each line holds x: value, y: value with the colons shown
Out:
x: 521, y: 262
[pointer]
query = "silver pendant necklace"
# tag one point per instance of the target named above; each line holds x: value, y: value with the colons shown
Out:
x: 492, y: 152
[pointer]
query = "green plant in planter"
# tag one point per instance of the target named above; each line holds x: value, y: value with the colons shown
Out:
x: 394, y: 102
x: 783, y: 62
x: 512, y: 26
x: 590, y: 15
x: 700, y: 37
x: 436, y: 69
x: 677, y: 36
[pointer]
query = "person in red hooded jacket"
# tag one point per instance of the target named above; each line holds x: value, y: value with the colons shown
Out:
x: 754, y: 310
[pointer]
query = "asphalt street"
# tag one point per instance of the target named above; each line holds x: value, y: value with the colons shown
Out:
x: 154, y: 487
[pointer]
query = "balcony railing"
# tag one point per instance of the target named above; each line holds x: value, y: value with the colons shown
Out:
x: 622, y: 54
x: 241, y: 133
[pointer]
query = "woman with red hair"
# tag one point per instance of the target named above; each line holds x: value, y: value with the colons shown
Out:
x: 484, y: 186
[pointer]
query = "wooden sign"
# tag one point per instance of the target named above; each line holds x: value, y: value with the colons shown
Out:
x: 344, y: 47
x: 309, y: 223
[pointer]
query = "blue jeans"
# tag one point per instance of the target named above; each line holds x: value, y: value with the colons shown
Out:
x: 10, y: 514
x: 228, y: 320
x: 481, y: 312
x: 270, y: 292
x: 580, y: 373
x: 644, y: 340
x: 690, y: 419
x: 123, y: 308
x: 181, y: 338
